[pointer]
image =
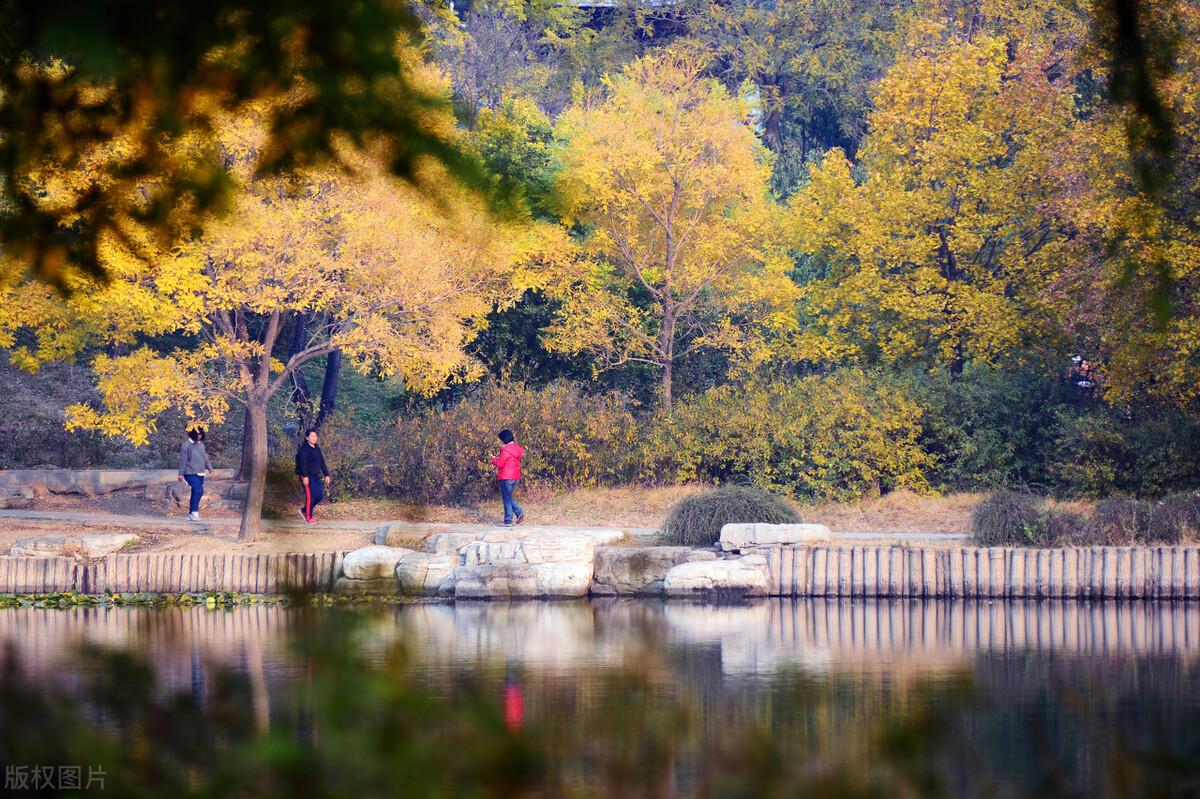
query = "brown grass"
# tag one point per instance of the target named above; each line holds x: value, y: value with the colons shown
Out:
x: 898, y: 512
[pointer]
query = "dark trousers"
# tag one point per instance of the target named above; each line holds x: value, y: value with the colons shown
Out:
x: 511, y: 507
x: 196, y: 483
x: 314, y: 492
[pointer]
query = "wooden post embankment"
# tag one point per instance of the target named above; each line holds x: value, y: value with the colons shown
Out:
x: 1164, y: 572
x: 171, y: 573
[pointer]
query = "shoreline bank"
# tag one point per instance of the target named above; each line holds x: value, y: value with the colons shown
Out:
x: 1142, y: 573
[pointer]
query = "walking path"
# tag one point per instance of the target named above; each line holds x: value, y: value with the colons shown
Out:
x: 176, y: 522
x: 381, y: 529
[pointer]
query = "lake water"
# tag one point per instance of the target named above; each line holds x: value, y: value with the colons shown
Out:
x: 962, y: 698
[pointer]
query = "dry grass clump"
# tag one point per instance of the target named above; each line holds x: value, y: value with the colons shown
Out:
x: 1007, y: 519
x: 900, y: 511
x: 1118, y: 522
x: 697, y: 521
x: 1175, y: 520
x: 1012, y: 519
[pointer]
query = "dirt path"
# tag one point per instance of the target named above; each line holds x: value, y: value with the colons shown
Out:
x: 900, y: 517
x: 167, y: 534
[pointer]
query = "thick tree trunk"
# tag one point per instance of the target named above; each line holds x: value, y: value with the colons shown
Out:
x: 666, y: 351
x: 300, y: 393
x: 244, y: 468
x: 329, y: 387
x: 257, y: 475
x: 665, y: 389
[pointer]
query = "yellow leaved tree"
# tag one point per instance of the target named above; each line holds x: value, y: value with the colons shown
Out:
x: 1142, y: 222
x: 669, y: 184
x: 935, y: 246
x: 396, y: 275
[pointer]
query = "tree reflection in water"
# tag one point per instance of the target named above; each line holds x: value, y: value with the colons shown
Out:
x: 615, y: 699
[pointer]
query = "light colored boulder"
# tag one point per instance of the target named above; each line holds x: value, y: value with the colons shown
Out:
x: 512, y: 579
x: 426, y: 574
x: 444, y: 543
x: 495, y: 581
x: 373, y: 562
x: 744, y: 576
x: 102, y: 545
x: 545, y: 563
x: 572, y: 579
x: 739, y: 537
x: 559, y: 548
x: 83, y: 546
x: 217, y: 494
x: 441, y: 543
x: 375, y: 587
x: 535, y: 548
x: 42, y: 546
x: 88, y: 482
x: 475, y: 553
x: 639, y: 570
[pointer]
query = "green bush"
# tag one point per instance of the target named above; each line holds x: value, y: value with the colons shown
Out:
x: 1098, y: 451
x: 987, y: 427
x: 835, y: 436
x: 697, y: 521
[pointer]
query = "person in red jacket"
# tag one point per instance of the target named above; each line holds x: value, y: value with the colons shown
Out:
x: 508, y: 473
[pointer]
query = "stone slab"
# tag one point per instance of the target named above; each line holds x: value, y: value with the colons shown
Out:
x: 639, y: 571
x: 741, y: 577
x: 373, y: 562
x: 740, y: 537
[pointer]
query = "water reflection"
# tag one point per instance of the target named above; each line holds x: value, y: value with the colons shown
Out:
x: 759, y: 638
x: 993, y: 698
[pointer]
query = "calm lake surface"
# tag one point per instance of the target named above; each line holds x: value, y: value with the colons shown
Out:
x: 1023, y: 698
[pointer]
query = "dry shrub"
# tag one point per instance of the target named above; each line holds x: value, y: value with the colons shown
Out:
x: 1118, y: 522
x: 697, y: 521
x: 1007, y: 518
x: 1174, y: 520
x: 571, y: 439
x: 1058, y: 528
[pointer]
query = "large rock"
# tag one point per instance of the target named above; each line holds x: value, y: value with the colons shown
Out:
x: 376, y: 587
x: 513, y: 579
x: 43, y: 546
x: 82, y: 546
x: 373, y: 562
x: 537, y: 548
x: 217, y: 494
x: 103, y: 545
x: 735, y: 577
x: 740, y: 537
x: 442, y: 543
x: 426, y: 574
x: 88, y: 482
x: 639, y: 570
x: 446, y: 543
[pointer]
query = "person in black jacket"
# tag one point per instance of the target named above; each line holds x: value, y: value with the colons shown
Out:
x: 314, y: 474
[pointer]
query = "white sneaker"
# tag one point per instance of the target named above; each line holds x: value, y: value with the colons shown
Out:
x: 194, y: 517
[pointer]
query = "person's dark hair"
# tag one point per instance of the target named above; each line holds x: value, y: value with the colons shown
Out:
x: 196, y: 434
x: 310, y: 431
x: 506, y: 436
